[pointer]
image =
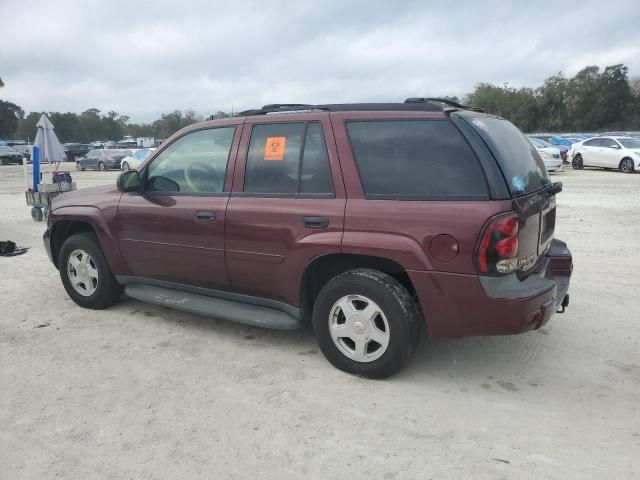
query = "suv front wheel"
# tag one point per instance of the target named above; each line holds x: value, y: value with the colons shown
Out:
x: 366, y: 323
x: 85, y: 273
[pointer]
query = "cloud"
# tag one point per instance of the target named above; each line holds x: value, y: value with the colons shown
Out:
x: 144, y: 58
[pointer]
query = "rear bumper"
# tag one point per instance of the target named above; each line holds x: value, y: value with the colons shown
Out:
x: 457, y: 305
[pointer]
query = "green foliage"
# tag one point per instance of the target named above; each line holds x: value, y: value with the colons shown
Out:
x: 92, y: 125
x: 590, y: 101
x: 10, y: 113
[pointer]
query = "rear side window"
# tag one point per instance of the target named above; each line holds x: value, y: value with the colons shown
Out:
x: 592, y: 143
x: 519, y: 160
x: 288, y: 159
x: 420, y: 159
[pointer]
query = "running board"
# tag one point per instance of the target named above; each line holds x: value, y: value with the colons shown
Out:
x: 248, y: 314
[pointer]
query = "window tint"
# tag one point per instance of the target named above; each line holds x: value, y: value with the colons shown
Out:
x: 316, y: 171
x: 594, y: 142
x: 274, y: 158
x: 195, y: 163
x: 608, y: 142
x: 415, y: 158
x: 520, y: 162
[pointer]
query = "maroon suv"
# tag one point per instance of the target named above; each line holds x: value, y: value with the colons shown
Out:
x: 370, y: 221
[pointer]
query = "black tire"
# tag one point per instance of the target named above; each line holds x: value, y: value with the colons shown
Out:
x: 79, y: 166
x: 125, y: 167
x: 101, y: 166
x: 626, y: 165
x: 108, y: 290
x: 401, y: 312
x: 577, y: 162
x: 36, y: 214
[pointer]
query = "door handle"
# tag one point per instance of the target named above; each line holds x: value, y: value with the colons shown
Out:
x: 205, y: 216
x: 315, y: 223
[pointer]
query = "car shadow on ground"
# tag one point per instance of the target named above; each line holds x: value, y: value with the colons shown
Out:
x: 480, y: 361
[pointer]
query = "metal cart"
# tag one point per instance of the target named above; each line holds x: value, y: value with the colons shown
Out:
x: 40, y: 201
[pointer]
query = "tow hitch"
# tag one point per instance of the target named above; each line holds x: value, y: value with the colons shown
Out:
x: 564, y: 304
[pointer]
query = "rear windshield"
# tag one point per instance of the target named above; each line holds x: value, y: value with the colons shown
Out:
x: 629, y: 142
x: 519, y: 160
x: 415, y: 159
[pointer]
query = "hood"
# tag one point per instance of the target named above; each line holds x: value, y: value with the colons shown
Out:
x: 88, y: 197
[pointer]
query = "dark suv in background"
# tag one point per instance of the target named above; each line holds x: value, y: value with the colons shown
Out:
x: 369, y: 221
x: 75, y: 150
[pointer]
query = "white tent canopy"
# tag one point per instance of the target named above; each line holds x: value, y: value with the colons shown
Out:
x: 51, y: 150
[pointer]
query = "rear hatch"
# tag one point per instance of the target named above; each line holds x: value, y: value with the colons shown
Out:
x: 529, y: 184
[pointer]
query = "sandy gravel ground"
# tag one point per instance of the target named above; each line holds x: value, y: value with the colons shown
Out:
x: 141, y: 392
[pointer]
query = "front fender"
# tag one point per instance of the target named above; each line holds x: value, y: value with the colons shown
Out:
x: 100, y: 220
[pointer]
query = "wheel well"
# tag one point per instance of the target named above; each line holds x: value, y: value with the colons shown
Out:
x: 63, y: 230
x: 322, y: 269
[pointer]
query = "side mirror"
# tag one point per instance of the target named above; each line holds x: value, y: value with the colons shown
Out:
x: 129, y: 181
x: 617, y: 147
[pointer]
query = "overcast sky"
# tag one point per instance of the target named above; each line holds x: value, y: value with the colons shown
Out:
x: 144, y: 58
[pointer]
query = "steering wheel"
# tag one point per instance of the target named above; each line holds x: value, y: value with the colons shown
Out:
x: 212, y: 177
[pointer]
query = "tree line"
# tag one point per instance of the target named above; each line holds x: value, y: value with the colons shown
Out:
x: 592, y: 100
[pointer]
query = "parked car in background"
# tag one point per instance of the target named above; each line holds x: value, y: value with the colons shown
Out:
x: 75, y: 150
x: 102, y: 159
x: 25, y: 150
x: 550, y: 154
x: 559, y: 142
x: 136, y: 158
x: 9, y: 155
x: 367, y: 221
x: 615, y: 152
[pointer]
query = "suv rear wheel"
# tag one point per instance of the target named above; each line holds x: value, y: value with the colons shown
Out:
x: 85, y: 273
x: 366, y: 323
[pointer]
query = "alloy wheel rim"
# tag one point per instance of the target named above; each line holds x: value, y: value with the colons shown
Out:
x: 82, y: 272
x: 626, y: 167
x: 359, y: 328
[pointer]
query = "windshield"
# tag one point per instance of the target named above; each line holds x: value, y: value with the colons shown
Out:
x: 629, y: 142
x: 520, y: 162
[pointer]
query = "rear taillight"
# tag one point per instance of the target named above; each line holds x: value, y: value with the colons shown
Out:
x: 497, y: 251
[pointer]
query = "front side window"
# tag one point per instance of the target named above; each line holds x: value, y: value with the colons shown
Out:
x: 608, y: 143
x: 415, y: 158
x: 194, y: 163
x: 288, y: 158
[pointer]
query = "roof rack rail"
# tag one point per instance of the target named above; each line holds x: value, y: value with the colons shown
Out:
x: 279, y: 108
x: 410, y: 104
x: 444, y: 101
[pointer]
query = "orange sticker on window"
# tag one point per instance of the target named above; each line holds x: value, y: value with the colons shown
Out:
x: 274, y: 148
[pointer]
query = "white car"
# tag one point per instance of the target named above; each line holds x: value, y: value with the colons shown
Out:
x: 607, y: 152
x: 549, y: 153
x: 133, y: 161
